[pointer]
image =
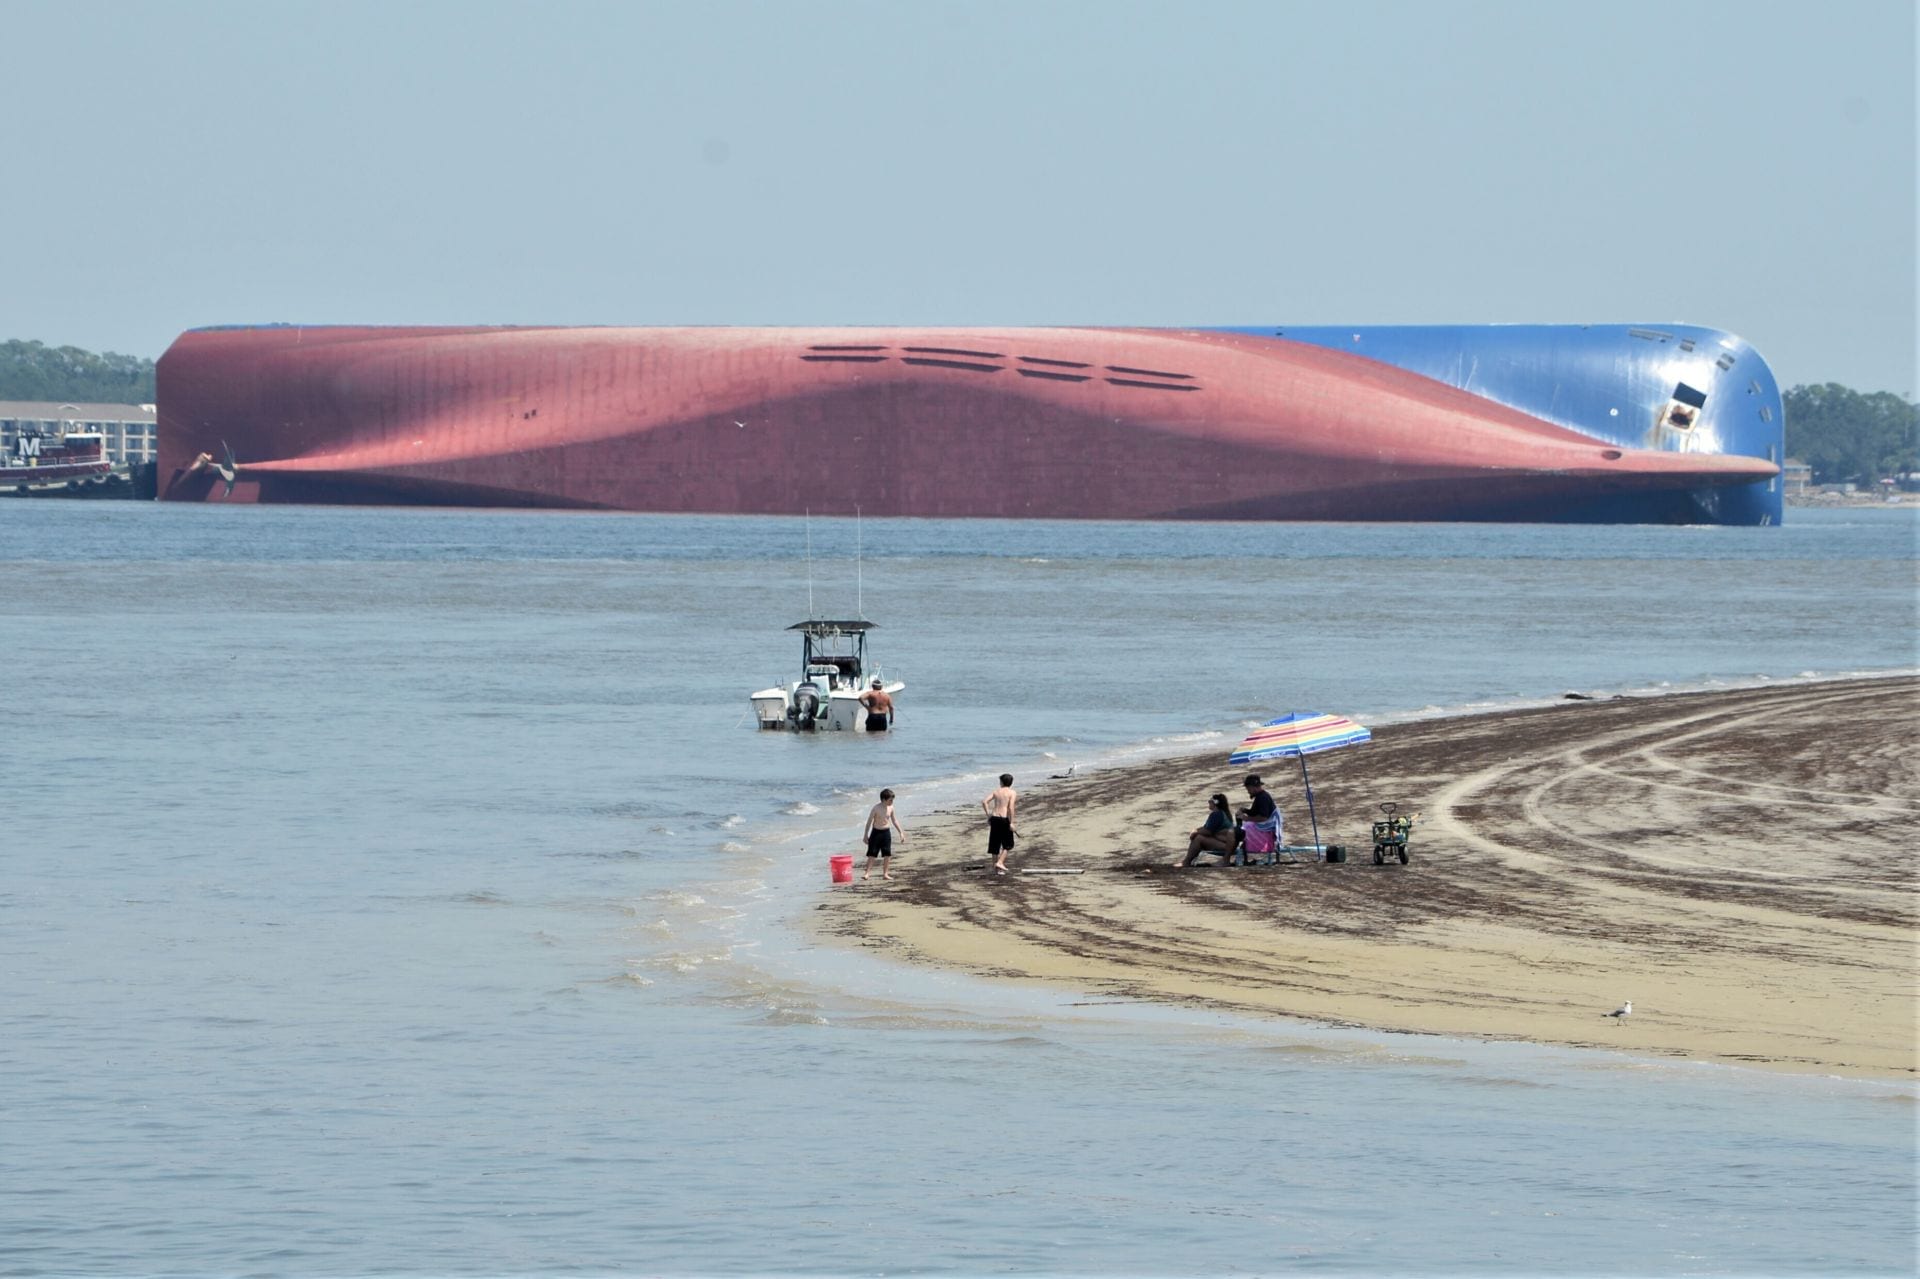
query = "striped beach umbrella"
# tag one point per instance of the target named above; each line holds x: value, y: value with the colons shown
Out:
x: 1301, y: 733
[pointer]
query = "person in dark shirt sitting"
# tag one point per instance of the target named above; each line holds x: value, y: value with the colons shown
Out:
x: 1260, y: 806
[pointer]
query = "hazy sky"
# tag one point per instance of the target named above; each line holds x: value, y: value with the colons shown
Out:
x: 1749, y: 166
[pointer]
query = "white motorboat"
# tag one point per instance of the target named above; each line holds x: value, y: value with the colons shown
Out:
x: 833, y: 675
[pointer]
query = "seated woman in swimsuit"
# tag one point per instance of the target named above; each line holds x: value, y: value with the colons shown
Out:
x: 1217, y: 836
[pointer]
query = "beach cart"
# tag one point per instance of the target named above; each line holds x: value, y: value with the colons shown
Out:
x: 1390, y: 835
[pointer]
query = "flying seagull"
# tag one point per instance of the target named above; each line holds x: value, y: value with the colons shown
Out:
x: 1623, y: 1011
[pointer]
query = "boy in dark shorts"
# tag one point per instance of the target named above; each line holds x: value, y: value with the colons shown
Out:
x: 999, y: 808
x: 881, y: 823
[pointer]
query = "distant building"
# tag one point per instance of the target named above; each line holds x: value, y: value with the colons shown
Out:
x: 129, y: 428
x: 1796, y: 477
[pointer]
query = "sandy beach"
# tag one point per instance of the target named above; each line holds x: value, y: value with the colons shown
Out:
x: 1741, y: 865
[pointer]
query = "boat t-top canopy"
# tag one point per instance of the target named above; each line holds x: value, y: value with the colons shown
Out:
x: 819, y: 629
x: 835, y: 649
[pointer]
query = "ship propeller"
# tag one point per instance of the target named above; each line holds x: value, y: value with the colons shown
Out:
x: 227, y: 467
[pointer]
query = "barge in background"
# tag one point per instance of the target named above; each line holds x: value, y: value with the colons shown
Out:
x: 1591, y: 423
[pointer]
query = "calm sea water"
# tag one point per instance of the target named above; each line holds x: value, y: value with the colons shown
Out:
x: 401, y: 892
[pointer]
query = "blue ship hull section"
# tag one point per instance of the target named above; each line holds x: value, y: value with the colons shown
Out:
x: 1676, y: 387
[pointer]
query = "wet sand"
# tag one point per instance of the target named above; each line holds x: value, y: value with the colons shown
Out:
x: 1741, y: 865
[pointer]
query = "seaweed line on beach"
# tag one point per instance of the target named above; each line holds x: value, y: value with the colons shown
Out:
x: 1743, y: 858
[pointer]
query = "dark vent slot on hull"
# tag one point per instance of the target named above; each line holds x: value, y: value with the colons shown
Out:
x: 844, y: 359
x: 846, y: 348
x: 949, y: 350
x: 1651, y: 335
x: 1055, y: 377
x: 1121, y: 368
x: 1151, y: 386
x: 951, y: 364
x: 1058, y: 364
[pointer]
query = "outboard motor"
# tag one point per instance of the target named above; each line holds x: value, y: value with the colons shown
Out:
x: 806, y: 705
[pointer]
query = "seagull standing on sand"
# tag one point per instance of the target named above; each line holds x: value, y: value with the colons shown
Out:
x: 1623, y: 1012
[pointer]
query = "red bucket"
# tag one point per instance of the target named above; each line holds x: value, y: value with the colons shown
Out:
x: 842, y: 867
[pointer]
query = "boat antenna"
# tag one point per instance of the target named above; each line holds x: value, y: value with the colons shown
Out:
x: 859, y: 592
x: 807, y: 515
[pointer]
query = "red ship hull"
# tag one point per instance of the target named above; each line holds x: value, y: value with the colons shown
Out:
x: 1055, y: 422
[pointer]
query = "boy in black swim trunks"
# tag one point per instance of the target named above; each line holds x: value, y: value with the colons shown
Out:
x: 999, y: 808
x: 881, y: 823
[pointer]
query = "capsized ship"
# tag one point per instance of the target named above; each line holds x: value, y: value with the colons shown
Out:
x: 1597, y: 423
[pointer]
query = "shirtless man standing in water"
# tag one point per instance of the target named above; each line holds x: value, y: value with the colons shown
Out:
x: 999, y: 807
x: 879, y: 708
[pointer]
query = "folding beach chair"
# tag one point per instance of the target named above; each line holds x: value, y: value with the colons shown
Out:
x: 1262, y: 838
